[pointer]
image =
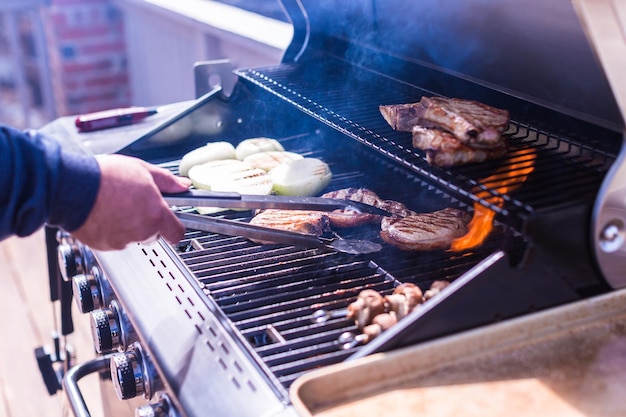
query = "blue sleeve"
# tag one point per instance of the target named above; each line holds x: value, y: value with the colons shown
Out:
x: 42, y: 183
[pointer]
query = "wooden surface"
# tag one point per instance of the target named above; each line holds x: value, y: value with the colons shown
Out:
x: 26, y: 322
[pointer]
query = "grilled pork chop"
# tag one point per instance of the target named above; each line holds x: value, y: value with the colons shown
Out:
x: 471, y: 122
x: 443, y: 149
x: 401, y: 117
x: 314, y: 223
x: 348, y: 218
x: 425, y: 231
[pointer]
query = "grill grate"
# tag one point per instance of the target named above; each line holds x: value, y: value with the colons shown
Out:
x: 270, y: 292
x: 329, y: 97
x: 270, y: 299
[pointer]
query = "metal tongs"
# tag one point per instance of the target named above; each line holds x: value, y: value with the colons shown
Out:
x: 237, y: 228
x: 201, y: 198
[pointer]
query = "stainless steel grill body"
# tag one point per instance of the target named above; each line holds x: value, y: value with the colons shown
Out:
x: 227, y: 323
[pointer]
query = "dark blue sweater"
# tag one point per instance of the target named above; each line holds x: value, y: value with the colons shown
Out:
x: 42, y: 183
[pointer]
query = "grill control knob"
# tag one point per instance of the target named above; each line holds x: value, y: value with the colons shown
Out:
x: 127, y: 374
x: 133, y: 374
x: 91, y: 291
x: 111, y: 329
x: 71, y: 260
x: 162, y: 408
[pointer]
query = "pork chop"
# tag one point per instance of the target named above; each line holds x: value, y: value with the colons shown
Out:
x: 349, y: 218
x: 443, y: 149
x: 472, y: 122
x: 425, y: 231
x: 314, y: 223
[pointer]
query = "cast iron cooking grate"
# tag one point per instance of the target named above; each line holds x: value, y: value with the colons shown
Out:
x: 346, y: 97
x: 270, y: 292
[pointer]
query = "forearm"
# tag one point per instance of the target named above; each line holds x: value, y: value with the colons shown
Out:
x: 39, y: 183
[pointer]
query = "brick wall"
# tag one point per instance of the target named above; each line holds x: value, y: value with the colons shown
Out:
x: 87, y: 56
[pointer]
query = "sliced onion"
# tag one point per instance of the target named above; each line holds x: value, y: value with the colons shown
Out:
x: 229, y: 175
x: 248, y: 181
x: 204, y: 175
x: 213, y: 151
x: 302, y: 177
x: 256, y: 145
x: 270, y: 159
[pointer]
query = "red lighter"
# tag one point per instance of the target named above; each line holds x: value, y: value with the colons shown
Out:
x: 112, y: 118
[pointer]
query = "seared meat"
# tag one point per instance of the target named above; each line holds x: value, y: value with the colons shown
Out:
x: 425, y: 231
x: 396, y: 208
x: 402, y: 117
x: 314, y: 223
x: 368, y: 305
x: 473, y: 123
x: 451, y: 131
x: 347, y: 218
x: 443, y: 149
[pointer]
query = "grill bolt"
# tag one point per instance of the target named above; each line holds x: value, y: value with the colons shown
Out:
x: 322, y: 316
x: 349, y: 340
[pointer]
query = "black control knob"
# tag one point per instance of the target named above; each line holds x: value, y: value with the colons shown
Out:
x: 91, y: 291
x: 127, y: 374
x: 111, y: 329
x: 71, y: 260
x: 133, y: 374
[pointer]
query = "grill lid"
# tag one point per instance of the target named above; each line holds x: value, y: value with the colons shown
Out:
x: 538, y: 52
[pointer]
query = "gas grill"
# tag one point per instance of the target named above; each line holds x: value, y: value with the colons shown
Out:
x: 220, y: 325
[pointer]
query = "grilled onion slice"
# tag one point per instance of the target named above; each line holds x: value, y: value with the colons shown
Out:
x: 302, y: 177
x: 255, y: 145
x: 213, y: 151
x: 271, y: 159
x: 229, y: 175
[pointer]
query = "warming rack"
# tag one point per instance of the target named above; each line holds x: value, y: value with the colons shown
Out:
x: 346, y: 97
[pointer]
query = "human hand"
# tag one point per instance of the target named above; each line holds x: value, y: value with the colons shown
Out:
x: 129, y: 206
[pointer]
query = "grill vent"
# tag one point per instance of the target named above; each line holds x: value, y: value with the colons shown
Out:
x: 210, y: 330
x: 167, y: 275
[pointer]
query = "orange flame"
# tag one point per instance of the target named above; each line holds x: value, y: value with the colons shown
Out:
x: 506, y: 179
